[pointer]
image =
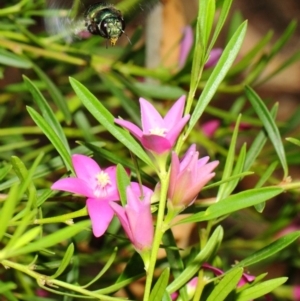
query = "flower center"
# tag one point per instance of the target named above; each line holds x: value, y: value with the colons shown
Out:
x: 158, y: 131
x: 103, y: 180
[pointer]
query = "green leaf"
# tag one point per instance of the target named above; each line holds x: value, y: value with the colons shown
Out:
x: 207, y: 17
x: 25, y: 239
x: 260, y: 289
x: 229, y: 164
x: 270, y: 126
x: 108, y: 264
x: 123, y: 181
x: 13, y: 60
x: 269, y: 250
x: 283, y: 39
x: 226, y: 285
x: 193, y: 267
x: 258, y: 144
x: 237, y: 171
x: 51, y: 135
x: 294, y: 141
x: 65, y: 261
x: 173, y: 254
x: 220, y: 22
x: 247, y: 59
x: 51, y: 239
x: 26, y: 221
x: 227, y: 58
x: 159, y: 288
x: 4, y: 170
x: 55, y: 94
x: 7, y: 209
x: 263, y: 178
x: 234, y: 203
x: 107, y: 120
x: 24, y: 176
x: 46, y: 111
x: 126, y: 102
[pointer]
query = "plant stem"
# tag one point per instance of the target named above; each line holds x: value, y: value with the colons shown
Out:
x: 159, y: 231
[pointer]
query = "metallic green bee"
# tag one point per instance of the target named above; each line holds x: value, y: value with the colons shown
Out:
x: 102, y: 19
x: 105, y: 21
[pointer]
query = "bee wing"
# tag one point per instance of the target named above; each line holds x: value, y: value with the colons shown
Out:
x: 133, y: 8
x: 65, y: 19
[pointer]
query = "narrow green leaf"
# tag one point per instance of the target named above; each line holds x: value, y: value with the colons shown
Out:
x: 270, y: 249
x: 226, y: 285
x: 107, y: 120
x: 24, y: 176
x: 52, y: 239
x: 234, y: 203
x: 220, y: 22
x: 25, y: 239
x: 237, y: 171
x: 65, y: 261
x: 173, y: 254
x: 260, y: 289
x: 193, y: 267
x: 108, y: 264
x: 283, y: 39
x: 7, y: 209
x: 123, y: 181
x: 227, y: 58
x: 260, y: 207
x: 159, y: 288
x: 4, y: 170
x: 294, y: 141
x: 258, y: 144
x: 51, y: 135
x: 26, y: 221
x: 126, y: 102
x: 46, y: 111
x: 133, y: 267
x: 229, y: 163
x: 55, y: 94
x: 287, y: 63
x: 10, y: 59
x: 247, y: 59
x: 270, y: 126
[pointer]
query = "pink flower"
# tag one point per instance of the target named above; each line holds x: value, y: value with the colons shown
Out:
x: 246, y: 278
x: 159, y: 134
x: 136, y: 217
x: 98, y: 185
x: 213, y: 58
x: 296, y: 292
x: 188, y: 177
x: 209, y: 128
x: 185, y: 45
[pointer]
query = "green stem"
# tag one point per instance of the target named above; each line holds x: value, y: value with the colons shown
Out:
x: 62, y: 218
x: 200, y: 286
x: 159, y: 231
x: 43, y: 280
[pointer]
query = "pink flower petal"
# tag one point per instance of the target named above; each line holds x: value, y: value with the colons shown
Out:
x: 175, y: 113
x: 122, y: 216
x: 73, y: 185
x: 155, y: 143
x: 173, y: 133
x: 186, y: 45
x: 85, y: 167
x: 213, y: 57
x: 150, y: 118
x: 132, y: 128
x: 100, y: 214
